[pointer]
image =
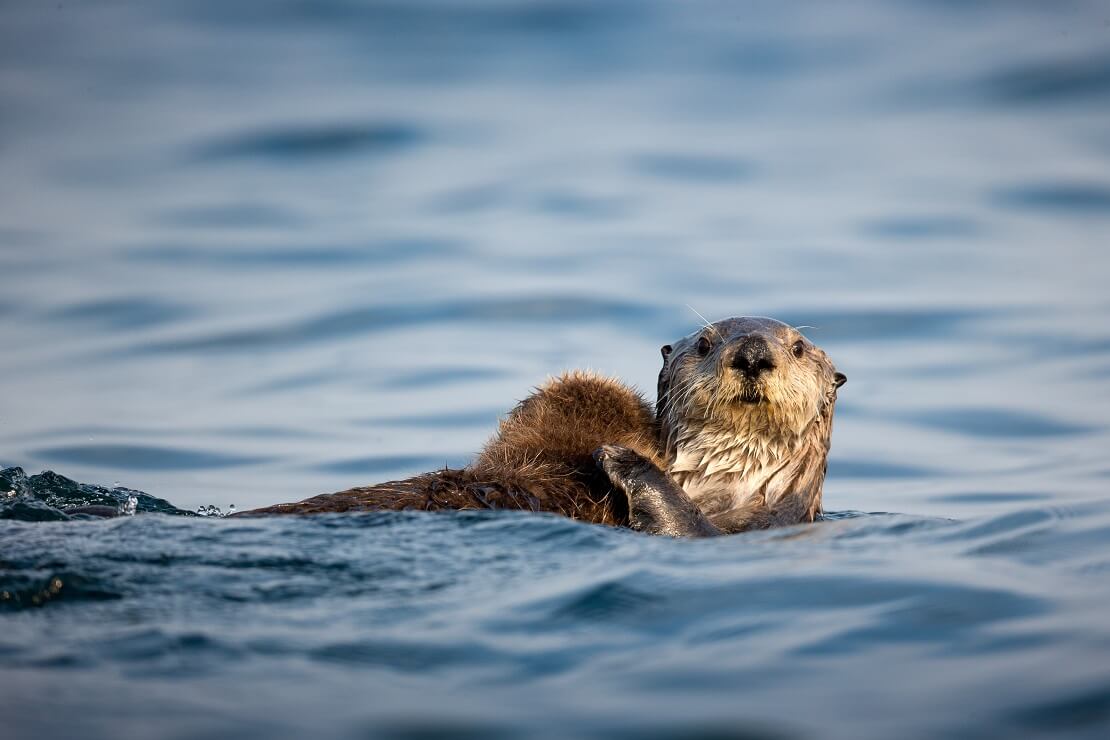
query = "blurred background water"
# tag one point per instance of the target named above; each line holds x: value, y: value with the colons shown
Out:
x: 256, y: 251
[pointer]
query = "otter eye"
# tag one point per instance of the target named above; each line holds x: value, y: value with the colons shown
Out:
x: 703, y: 346
x: 799, y: 348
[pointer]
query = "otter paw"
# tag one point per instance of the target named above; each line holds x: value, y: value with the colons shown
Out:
x: 619, y: 463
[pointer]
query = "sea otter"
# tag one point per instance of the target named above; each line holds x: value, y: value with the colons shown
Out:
x: 738, y: 440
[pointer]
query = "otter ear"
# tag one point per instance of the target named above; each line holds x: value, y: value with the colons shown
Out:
x: 839, y: 379
x: 666, y: 350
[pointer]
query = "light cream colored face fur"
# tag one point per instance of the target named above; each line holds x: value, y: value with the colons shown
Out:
x: 732, y: 441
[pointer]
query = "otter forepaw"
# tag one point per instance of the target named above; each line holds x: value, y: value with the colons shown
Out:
x: 621, y: 464
x: 656, y: 505
x: 623, y: 467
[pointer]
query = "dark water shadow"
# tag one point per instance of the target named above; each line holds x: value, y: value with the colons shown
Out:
x: 312, y: 142
x: 921, y: 228
x: 98, y: 430
x: 403, y: 656
x: 1067, y: 198
x: 299, y: 382
x: 38, y: 589
x: 997, y: 423
x: 142, y: 457
x: 881, y: 325
x: 948, y: 616
x: 774, y: 59
x: 410, y: 20
x: 694, y: 168
x: 570, y: 204
x: 448, y: 728
x: 452, y: 420
x: 1068, y: 711
x: 739, y: 729
x: 991, y: 497
x: 378, y: 253
x: 1080, y: 79
x: 265, y: 432
x: 872, y: 469
x: 245, y: 216
x: 443, y: 376
x: 470, y: 199
x: 120, y: 314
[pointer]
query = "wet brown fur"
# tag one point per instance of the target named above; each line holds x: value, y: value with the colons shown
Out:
x: 539, y: 460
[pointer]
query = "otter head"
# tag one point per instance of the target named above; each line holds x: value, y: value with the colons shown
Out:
x: 745, y: 413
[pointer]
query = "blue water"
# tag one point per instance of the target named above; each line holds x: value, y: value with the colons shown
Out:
x: 255, y: 251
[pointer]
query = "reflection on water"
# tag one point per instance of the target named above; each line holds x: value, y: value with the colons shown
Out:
x: 255, y: 251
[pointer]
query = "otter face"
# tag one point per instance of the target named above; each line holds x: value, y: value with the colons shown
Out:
x: 745, y: 417
x: 755, y: 373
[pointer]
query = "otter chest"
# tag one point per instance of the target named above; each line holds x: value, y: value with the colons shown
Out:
x: 726, y: 476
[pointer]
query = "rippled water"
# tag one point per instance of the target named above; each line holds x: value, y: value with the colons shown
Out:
x: 255, y: 251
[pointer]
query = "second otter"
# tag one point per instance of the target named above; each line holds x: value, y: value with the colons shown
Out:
x: 738, y: 440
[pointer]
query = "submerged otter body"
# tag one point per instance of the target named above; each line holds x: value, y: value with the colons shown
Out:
x: 737, y: 440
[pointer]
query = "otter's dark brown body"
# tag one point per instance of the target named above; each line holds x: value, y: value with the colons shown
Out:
x: 539, y: 460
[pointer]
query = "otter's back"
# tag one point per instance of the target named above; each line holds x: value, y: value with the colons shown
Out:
x: 545, y: 445
x: 540, y: 459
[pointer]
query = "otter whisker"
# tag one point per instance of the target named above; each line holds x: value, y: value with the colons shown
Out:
x: 705, y: 321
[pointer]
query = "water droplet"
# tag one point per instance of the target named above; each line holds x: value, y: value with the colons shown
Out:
x: 129, y: 507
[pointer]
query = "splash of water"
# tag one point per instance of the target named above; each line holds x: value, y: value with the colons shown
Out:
x: 130, y: 506
x: 215, y: 511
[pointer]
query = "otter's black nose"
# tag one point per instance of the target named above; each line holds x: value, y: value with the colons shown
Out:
x: 752, y: 356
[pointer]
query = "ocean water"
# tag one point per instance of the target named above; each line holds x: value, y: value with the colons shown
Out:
x: 251, y: 252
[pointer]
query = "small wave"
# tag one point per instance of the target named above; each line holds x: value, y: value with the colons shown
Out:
x: 695, y: 168
x: 122, y: 314
x: 996, y: 422
x: 1069, y: 198
x: 303, y: 142
x: 382, y: 252
x: 29, y: 589
x: 921, y: 228
x: 1081, y: 708
x: 1053, y: 81
x: 52, y: 497
x: 875, y: 469
x: 484, y: 418
x: 142, y: 457
x: 243, y: 215
x: 876, y: 325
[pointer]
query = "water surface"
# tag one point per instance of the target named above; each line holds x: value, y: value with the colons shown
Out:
x: 252, y: 252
